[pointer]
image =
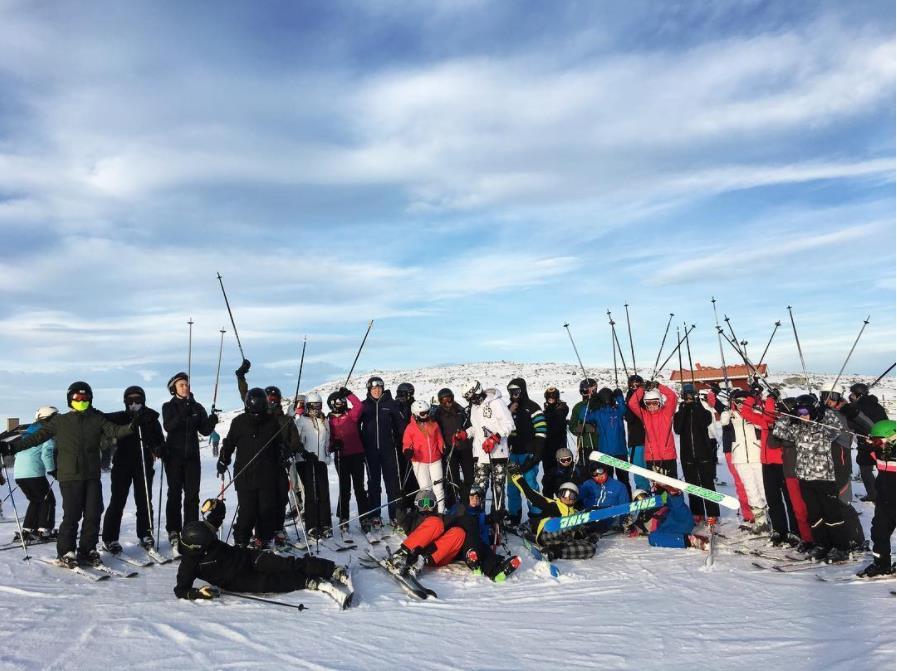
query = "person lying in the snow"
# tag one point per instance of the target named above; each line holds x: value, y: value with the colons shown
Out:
x: 205, y: 557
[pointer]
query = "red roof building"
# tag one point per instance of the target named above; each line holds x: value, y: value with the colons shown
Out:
x: 739, y: 376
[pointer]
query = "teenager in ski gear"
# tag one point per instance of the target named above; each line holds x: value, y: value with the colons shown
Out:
x: 314, y: 431
x: 257, y: 444
x: 719, y: 401
x: 635, y: 432
x: 423, y: 447
x: 610, y: 422
x: 602, y: 491
x: 881, y: 445
x: 381, y: 426
x: 345, y: 443
x: 476, y: 550
x: 428, y: 542
x: 132, y: 465
x: 582, y: 422
x: 746, y: 459
x: 862, y: 411
x: 78, y: 435
x: 239, y: 569
x: 762, y: 414
x: 490, y: 425
x: 31, y: 469
x: 569, y: 544
x: 182, y: 418
x: 297, y: 407
x: 526, y: 443
x: 458, y: 463
x: 671, y: 525
x: 842, y: 445
x: 655, y: 405
x: 555, y: 411
x: 292, y: 445
x: 565, y: 469
x: 812, y: 431
x: 697, y: 453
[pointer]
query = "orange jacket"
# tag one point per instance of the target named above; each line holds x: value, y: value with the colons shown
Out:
x: 425, y: 439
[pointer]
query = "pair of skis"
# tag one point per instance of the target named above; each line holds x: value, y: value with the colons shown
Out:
x: 93, y: 572
x: 405, y: 579
x: 556, y: 524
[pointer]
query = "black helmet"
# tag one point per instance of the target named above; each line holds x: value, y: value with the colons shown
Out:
x: 636, y: 379
x: 445, y: 392
x: 552, y: 392
x: 336, y: 402
x: 78, y: 388
x: 256, y: 402
x: 273, y: 391
x: 196, y: 537
x: 587, y: 384
x: 174, y: 378
x: 806, y: 401
x: 859, y: 389
x: 375, y: 381
x: 737, y: 394
x: 134, y: 390
x: 606, y: 396
x: 405, y: 390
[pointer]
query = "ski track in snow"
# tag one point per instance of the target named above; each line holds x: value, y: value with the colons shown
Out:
x: 630, y: 606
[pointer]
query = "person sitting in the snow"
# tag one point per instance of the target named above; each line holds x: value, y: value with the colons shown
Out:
x: 602, y: 491
x: 568, y: 544
x: 671, y: 525
x: 205, y: 557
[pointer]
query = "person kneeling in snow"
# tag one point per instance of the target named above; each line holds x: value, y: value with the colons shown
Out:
x: 602, y: 491
x: 238, y: 569
x: 671, y: 525
x: 569, y: 544
x: 436, y: 541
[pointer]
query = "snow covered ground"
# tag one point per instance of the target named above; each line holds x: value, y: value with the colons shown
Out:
x: 630, y: 606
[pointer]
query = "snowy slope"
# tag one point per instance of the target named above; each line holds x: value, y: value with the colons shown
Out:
x: 630, y: 606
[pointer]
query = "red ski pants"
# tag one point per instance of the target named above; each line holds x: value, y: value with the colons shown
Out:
x: 800, y: 509
x: 746, y: 513
x: 431, y: 538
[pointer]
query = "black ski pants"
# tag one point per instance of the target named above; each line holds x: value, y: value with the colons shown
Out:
x: 883, y: 519
x: 781, y: 513
x: 825, y: 514
x: 701, y: 473
x: 274, y: 573
x: 81, y: 500
x: 489, y: 561
x: 461, y: 473
x: 41, y: 513
x: 183, y: 486
x: 350, y: 470
x: 317, y: 512
x: 126, y: 474
x: 282, y: 492
x: 382, y: 462
x: 257, y: 509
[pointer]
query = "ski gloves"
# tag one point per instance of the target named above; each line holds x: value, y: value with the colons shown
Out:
x: 243, y: 369
x: 205, y: 592
x: 491, y: 443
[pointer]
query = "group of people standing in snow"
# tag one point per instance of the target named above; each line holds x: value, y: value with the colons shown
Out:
x: 440, y: 461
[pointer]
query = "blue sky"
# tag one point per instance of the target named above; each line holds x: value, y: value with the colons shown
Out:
x: 469, y: 174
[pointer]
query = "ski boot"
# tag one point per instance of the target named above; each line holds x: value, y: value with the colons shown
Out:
x: 472, y: 559
x: 819, y: 553
x: 337, y: 592
x: 776, y: 539
x: 280, y: 540
x: 836, y: 556
x: 327, y: 532
x: 113, y: 547
x: 341, y: 575
x: 174, y: 539
x: 89, y: 558
x: 68, y: 560
x: 805, y: 547
x: 880, y: 566
x: 27, y: 534
x: 402, y: 560
x: 793, y: 540
x: 698, y: 542
x: 505, y: 568
x: 47, y: 535
x: 147, y: 543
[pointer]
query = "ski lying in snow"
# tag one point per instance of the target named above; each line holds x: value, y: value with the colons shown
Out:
x: 157, y: 556
x: 553, y: 570
x: 407, y: 581
x: 77, y: 570
x: 693, y: 490
x: 555, y: 524
x: 338, y: 546
x: 854, y: 579
x: 762, y: 555
x: 18, y: 544
x: 111, y: 571
x: 131, y: 561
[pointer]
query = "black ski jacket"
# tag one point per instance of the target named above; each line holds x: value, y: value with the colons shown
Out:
x: 450, y: 422
x: 127, y: 453
x: 182, y: 418
x: 691, y: 423
x: 380, y: 425
x: 250, y: 435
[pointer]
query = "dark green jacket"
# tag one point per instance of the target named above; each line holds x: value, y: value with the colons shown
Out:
x: 78, y: 437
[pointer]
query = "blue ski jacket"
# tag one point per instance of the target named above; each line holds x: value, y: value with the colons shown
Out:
x: 37, y: 461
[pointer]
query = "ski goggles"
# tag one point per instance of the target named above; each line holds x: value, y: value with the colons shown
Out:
x: 567, y: 494
x: 565, y: 461
x: 376, y: 383
x: 425, y: 503
x: 79, y: 396
x: 515, y: 391
x: 652, y: 403
x: 803, y: 412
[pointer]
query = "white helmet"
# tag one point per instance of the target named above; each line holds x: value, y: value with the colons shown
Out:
x: 419, y: 408
x: 653, y: 395
x: 312, y: 397
x: 301, y: 398
x: 568, y: 487
x: 639, y: 494
x: 45, y: 412
x: 473, y: 391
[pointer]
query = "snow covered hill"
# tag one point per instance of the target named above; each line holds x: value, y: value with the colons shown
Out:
x: 632, y: 606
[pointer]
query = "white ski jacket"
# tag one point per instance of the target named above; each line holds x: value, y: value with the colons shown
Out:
x: 490, y: 416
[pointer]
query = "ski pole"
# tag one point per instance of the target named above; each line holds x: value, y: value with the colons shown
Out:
x: 613, y: 347
x: 190, y: 349
x: 578, y: 358
x: 691, y: 368
x: 159, y: 514
x: 254, y: 457
x: 850, y: 353
x: 227, y: 303
x: 273, y: 602
x: 232, y: 520
x: 14, y: 490
x: 299, y: 378
x: 146, y: 487
x: 678, y: 345
x: 881, y: 377
x: 722, y: 356
x: 361, y: 347
x: 731, y: 330
x: 218, y: 370
x: 679, y: 350
x: 800, y: 352
x: 389, y: 503
x: 631, y: 345
x: 585, y: 410
x: 295, y: 503
x: 662, y: 342
x: 763, y: 356
x: 15, y: 511
x: 613, y: 331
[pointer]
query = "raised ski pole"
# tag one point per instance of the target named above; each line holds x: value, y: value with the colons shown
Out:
x: 678, y: 345
x: 732, y: 331
x: 774, y: 329
x: 299, y: 377
x: 585, y: 410
x: 800, y: 352
x: 260, y: 599
x: 15, y: 511
x: 231, y: 314
x: 613, y: 330
x: 613, y: 347
x: 631, y: 345
x: 218, y: 370
x: 578, y: 358
x: 881, y: 377
x: 850, y: 353
x: 719, y: 339
x: 662, y: 343
x: 679, y: 350
x: 691, y: 368
x: 360, y: 347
